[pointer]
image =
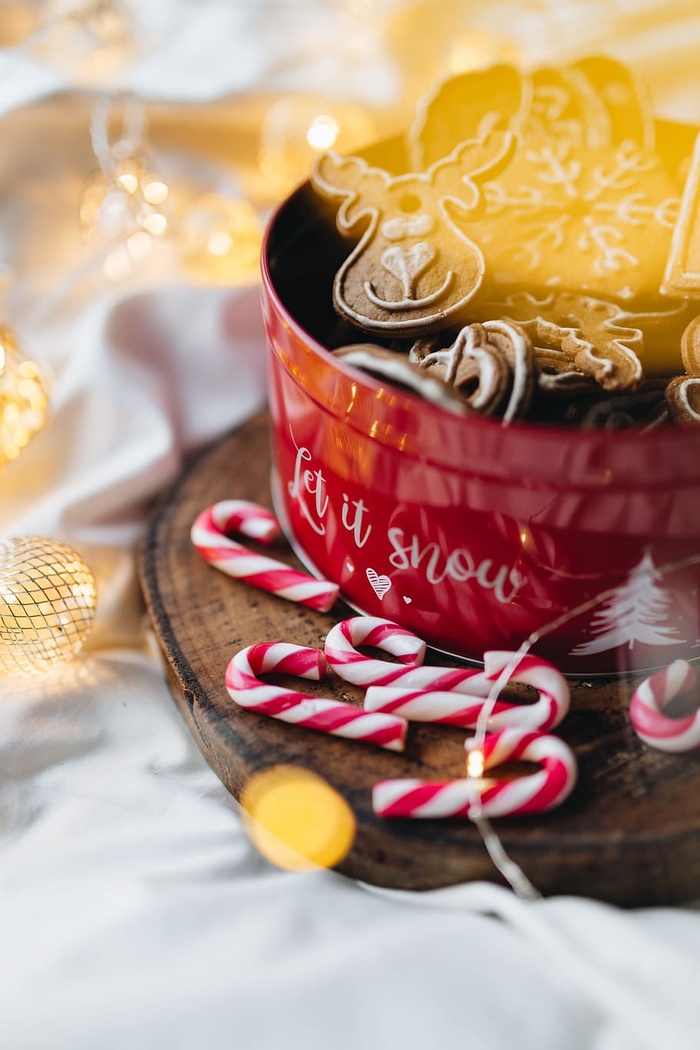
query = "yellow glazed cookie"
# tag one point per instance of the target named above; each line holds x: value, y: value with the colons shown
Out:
x: 682, y: 277
x: 586, y: 204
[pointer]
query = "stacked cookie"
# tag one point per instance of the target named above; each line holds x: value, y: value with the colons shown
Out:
x: 532, y: 256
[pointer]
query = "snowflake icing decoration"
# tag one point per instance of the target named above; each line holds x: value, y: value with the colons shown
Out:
x: 599, y: 220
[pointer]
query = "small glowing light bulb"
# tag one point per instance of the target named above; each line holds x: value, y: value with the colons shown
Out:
x: 220, y: 242
x: 139, y: 244
x: 117, y: 265
x: 220, y: 239
x: 475, y: 763
x: 323, y: 132
x: 128, y: 180
x: 155, y: 191
x: 154, y: 223
x: 128, y: 205
x: 296, y: 128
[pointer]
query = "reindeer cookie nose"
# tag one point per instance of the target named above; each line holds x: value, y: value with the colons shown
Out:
x: 414, y: 269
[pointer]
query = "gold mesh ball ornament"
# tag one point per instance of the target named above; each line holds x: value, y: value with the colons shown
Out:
x: 47, y: 604
x: 23, y: 401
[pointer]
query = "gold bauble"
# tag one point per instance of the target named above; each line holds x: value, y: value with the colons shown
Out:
x: 47, y: 604
x: 23, y: 401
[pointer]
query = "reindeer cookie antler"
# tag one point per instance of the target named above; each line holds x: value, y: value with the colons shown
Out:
x: 414, y: 269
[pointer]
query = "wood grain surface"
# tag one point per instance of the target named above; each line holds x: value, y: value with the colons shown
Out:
x: 629, y: 834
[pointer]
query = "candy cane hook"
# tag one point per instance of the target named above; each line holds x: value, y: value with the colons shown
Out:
x: 210, y: 535
x: 485, y: 796
x: 342, y: 653
x: 299, y: 708
x: 648, y: 702
x: 451, y: 707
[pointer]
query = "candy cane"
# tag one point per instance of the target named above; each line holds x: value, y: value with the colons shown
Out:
x: 649, y: 700
x: 450, y: 707
x: 487, y: 797
x: 298, y: 708
x: 210, y: 536
x: 341, y: 649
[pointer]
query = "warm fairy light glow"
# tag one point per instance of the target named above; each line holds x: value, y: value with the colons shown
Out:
x: 117, y: 266
x: 128, y: 180
x: 89, y: 40
x: 155, y: 191
x: 478, y: 49
x: 323, y: 132
x: 139, y: 244
x: 296, y: 819
x: 475, y: 764
x: 23, y: 400
x: 18, y: 21
x: 220, y: 239
x: 127, y: 204
x: 155, y: 223
x: 220, y: 242
x: 297, y: 128
x: 47, y: 605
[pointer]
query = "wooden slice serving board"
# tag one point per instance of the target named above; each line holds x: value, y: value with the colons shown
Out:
x: 629, y: 834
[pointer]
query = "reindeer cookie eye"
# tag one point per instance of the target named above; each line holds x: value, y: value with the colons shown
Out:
x: 409, y: 202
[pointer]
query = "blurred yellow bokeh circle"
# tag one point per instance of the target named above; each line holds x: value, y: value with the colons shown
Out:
x: 296, y: 819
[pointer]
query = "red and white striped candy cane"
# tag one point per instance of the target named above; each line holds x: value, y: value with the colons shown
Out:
x: 298, y: 708
x: 450, y: 707
x: 210, y: 535
x: 648, y: 702
x: 484, y: 796
x: 553, y: 693
x: 341, y: 649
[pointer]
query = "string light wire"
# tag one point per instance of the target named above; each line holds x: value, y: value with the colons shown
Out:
x: 507, y: 867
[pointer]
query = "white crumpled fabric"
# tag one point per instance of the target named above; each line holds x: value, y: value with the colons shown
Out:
x: 133, y: 911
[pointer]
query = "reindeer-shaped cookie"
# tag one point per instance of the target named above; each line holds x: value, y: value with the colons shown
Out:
x: 414, y: 269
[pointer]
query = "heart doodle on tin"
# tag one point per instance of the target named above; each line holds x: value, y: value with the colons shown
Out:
x: 379, y: 584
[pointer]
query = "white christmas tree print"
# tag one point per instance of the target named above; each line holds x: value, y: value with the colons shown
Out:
x: 632, y: 614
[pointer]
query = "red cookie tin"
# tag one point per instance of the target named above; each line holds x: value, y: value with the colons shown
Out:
x: 472, y: 534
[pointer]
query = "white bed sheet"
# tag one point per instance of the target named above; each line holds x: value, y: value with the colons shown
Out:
x: 133, y: 911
